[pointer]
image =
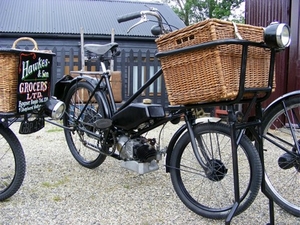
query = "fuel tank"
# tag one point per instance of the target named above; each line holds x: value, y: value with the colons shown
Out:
x: 137, y: 113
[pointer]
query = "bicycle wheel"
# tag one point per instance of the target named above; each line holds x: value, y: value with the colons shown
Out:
x: 210, y: 193
x: 281, y: 157
x: 84, y: 146
x: 12, y: 163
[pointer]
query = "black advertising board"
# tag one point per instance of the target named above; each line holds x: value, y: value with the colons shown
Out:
x: 34, y: 80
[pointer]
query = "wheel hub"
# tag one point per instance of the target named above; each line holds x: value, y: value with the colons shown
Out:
x: 90, y: 116
x: 290, y: 160
x: 217, y: 170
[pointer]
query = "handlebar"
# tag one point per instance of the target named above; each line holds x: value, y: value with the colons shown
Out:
x: 143, y: 16
x: 129, y: 16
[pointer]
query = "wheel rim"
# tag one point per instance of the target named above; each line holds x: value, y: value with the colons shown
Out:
x: 81, y: 140
x: 214, y: 192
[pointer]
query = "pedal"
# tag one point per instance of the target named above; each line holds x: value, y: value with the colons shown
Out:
x: 103, y: 123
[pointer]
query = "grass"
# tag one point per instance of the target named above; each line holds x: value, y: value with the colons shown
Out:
x: 57, y: 198
x: 55, y: 129
x: 127, y: 186
x: 56, y: 184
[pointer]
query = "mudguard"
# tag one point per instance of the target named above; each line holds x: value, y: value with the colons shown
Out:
x: 66, y: 82
x: 276, y: 101
x: 180, y: 131
x: 63, y: 85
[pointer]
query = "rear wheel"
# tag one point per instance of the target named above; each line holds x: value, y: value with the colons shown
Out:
x: 12, y: 163
x: 281, y: 127
x: 83, y: 137
x: 210, y: 192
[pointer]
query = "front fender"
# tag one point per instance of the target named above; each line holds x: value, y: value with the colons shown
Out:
x: 171, y: 145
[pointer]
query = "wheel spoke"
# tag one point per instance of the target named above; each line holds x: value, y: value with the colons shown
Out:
x: 209, y: 191
x: 84, y: 140
x: 12, y: 163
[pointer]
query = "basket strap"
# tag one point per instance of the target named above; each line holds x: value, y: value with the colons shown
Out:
x: 236, y: 31
x: 26, y: 39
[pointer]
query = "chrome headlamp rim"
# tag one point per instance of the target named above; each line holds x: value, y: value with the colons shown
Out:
x: 58, y: 110
x: 277, y: 35
x: 54, y: 108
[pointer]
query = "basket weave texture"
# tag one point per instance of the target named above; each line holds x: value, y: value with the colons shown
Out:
x: 8, y: 81
x: 9, y: 62
x: 211, y: 74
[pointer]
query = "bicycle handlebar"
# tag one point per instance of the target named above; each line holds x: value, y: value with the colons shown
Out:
x: 129, y: 16
x: 143, y: 16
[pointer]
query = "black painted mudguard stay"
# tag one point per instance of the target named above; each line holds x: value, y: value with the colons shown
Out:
x: 171, y: 145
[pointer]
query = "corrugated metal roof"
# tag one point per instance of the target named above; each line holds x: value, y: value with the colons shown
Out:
x: 67, y: 16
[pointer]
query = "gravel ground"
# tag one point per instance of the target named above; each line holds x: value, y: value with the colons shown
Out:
x: 57, y: 190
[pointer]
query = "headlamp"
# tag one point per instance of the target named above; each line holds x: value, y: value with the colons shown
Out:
x: 54, y: 108
x: 277, y: 35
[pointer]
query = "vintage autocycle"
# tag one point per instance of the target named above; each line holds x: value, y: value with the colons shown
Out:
x: 214, y: 167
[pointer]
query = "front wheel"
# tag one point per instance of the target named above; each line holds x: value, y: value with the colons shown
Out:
x: 210, y: 192
x: 12, y: 163
x: 83, y: 137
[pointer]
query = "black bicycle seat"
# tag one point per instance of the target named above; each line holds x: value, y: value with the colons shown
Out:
x: 100, y: 49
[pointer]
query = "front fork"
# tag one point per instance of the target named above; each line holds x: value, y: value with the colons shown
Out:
x: 189, y: 121
x: 297, y: 147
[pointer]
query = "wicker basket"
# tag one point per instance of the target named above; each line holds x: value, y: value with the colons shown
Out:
x: 9, y: 61
x: 211, y: 74
x: 8, y: 81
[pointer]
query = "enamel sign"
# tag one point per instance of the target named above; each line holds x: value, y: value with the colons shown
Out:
x: 34, y: 77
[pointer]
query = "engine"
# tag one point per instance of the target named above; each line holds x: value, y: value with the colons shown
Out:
x: 139, y: 149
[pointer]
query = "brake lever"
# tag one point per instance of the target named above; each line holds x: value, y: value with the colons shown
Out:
x: 143, y: 19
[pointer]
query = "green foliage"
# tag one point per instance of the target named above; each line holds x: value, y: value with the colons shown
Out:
x: 192, y: 11
x: 56, y: 184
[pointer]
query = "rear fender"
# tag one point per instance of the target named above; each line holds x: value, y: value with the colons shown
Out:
x: 66, y: 82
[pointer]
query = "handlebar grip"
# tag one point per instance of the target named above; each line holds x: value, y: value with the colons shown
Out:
x: 129, y: 16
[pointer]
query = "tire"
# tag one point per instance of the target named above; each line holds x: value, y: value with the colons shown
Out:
x: 12, y: 163
x: 78, y: 137
x: 283, y: 180
x: 212, y: 196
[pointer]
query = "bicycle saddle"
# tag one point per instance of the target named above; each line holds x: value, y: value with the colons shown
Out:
x: 100, y: 49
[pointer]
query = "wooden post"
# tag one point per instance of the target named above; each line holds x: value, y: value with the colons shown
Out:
x: 112, y: 40
x: 82, y: 48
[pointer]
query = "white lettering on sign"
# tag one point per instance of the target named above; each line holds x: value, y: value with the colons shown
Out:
x: 33, y: 90
x: 27, y: 87
x: 28, y: 69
